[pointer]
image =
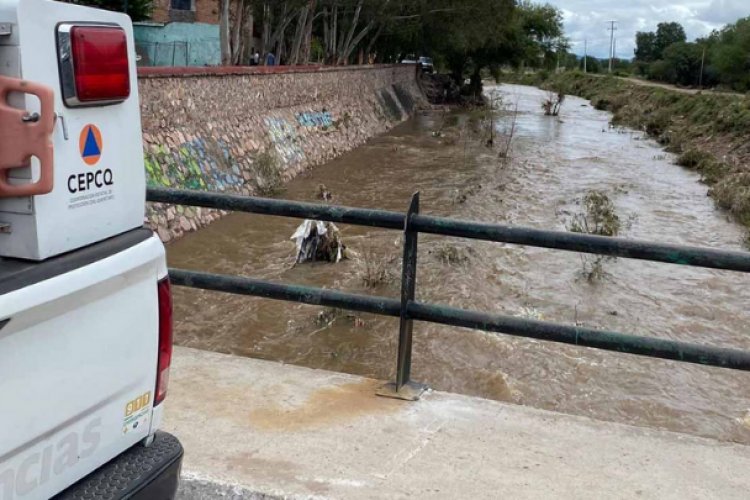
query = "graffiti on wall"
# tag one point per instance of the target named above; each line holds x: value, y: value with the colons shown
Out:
x: 315, y: 119
x: 197, y: 164
x: 285, y: 140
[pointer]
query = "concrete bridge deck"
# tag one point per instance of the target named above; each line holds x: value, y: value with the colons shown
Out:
x: 255, y: 429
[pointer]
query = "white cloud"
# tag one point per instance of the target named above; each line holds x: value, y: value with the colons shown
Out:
x: 587, y: 20
x: 725, y: 11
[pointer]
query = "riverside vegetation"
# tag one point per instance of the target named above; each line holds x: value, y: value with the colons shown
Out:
x: 709, y: 132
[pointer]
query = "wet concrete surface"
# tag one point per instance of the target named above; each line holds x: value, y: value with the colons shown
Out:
x: 555, y: 163
x: 257, y: 429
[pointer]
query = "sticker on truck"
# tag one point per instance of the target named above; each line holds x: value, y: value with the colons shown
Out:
x: 137, y: 413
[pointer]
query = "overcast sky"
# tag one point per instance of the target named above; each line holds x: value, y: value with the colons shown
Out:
x: 587, y: 19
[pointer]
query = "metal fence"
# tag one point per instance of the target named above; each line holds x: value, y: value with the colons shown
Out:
x: 409, y: 310
x: 163, y: 53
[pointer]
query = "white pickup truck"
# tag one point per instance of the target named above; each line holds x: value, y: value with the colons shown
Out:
x: 85, y: 305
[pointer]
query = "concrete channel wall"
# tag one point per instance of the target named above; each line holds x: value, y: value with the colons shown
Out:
x: 249, y: 130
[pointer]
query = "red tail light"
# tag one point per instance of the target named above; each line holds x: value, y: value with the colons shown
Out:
x: 165, y: 340
x: 93, y: 64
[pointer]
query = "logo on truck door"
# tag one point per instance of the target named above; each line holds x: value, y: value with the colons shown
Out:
x: 92, y: 186
x: 90, y: 144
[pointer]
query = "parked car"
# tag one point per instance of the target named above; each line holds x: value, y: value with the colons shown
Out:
x: 85, y: 304
x: 425, y: 63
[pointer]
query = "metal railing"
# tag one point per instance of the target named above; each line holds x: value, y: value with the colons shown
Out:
x: 409, y: 310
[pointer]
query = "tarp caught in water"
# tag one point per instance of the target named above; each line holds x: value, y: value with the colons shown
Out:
x: 318, y: 241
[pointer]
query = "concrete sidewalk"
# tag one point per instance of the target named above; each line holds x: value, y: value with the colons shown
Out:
x: 254, y: 429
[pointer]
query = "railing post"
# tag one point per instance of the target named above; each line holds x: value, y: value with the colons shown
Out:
x: 404, y: 388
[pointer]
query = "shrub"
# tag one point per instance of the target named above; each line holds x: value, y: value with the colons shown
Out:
x: 268, y: 179
x: 732, y: 193
x: 692, y: 158
x: 374, y: 269
x: 710, y: 168
x: 657, y: 122
x: 598, y: 218
x: 453, y: 255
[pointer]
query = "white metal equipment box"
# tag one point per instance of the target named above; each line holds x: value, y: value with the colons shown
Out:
x: 71, y: 151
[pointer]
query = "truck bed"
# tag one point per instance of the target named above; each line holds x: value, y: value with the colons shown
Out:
x: 16, y: 274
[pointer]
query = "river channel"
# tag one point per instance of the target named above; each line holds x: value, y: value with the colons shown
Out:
x: 555, y: 163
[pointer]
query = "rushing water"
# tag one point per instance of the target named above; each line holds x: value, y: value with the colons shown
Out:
x: 555, y: 163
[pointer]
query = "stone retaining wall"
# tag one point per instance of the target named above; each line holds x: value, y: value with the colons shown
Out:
x: 245, y: 132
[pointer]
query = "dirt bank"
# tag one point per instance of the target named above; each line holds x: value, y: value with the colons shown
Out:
x: 709, y: 132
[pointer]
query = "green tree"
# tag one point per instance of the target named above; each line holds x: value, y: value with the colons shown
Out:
x: 593, y: 65
x: 661, y: 70
x: 645, y: 46
x: 684, y: 62
x: 666, y: 35
x: 539, y: 33
x: 138, y: 10
x: 729, y: 55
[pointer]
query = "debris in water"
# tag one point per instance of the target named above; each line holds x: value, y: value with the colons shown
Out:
x: 530, y: 313
x: 324, y: 193
x: 745, y: 421
x: 319, y: 241
x: 460, y: 196
x: 453, y: 255
x: 495, y: 384
x: 551, y: 105
x: 374, y: 268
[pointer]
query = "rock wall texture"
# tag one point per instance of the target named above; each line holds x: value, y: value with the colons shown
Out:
x: 244, y: 132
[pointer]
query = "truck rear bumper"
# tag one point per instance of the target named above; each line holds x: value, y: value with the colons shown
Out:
x: 141, y: 472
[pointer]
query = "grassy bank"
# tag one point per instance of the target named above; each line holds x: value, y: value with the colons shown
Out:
x: 709, y: 132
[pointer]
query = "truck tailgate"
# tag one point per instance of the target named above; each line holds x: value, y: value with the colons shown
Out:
x: 78, y: 358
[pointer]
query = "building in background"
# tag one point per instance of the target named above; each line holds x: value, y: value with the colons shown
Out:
x: 180, y: 33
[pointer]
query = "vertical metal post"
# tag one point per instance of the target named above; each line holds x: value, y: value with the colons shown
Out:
x: 404, y: 388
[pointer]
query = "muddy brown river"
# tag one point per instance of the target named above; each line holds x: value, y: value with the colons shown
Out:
x: 555, y: 163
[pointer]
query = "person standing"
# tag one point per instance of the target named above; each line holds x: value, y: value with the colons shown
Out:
x: 270, y: 59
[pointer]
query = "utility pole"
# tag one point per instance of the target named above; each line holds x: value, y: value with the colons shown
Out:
x: 703, y: 60
x: 612, y: 28
x: 614, y: 52
x: 585, y: 53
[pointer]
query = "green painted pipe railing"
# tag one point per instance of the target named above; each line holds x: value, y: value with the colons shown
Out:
x: 408, y: 310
